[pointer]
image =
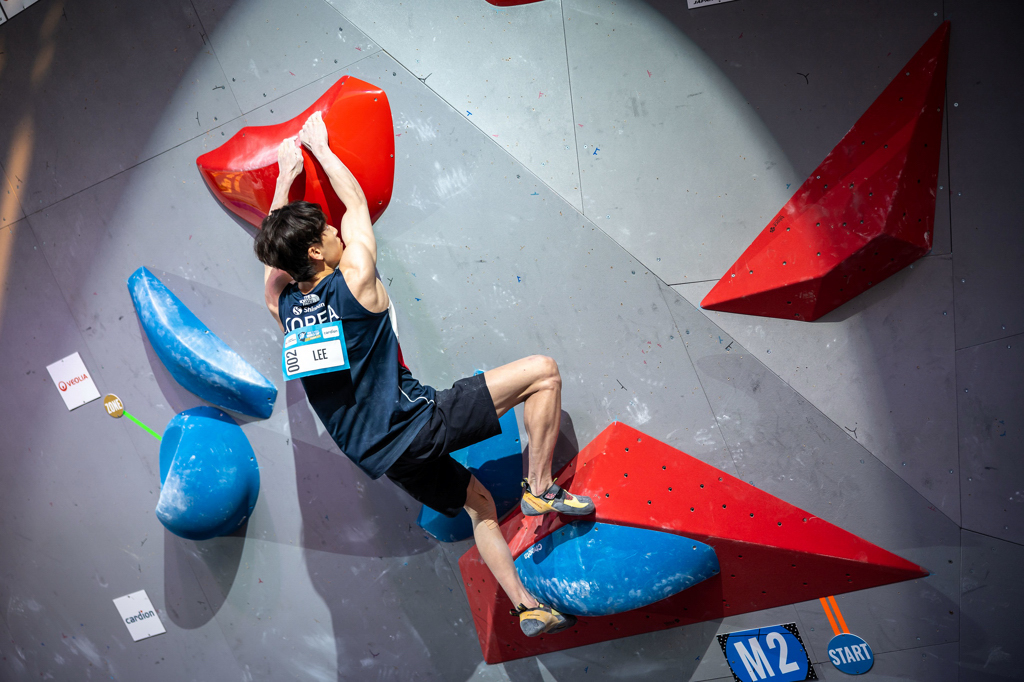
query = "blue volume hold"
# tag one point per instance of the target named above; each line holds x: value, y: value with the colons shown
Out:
x: 194, y: 355
x: 497, y: 463
x: 598, y: 569
x: 208, y: 475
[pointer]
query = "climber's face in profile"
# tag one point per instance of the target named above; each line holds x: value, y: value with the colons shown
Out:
x: 328, y: 249
x: 331, y: 246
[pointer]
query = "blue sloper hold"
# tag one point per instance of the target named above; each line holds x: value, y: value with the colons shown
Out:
x: 209, y: 476
x: 194, y: 355
x: 497, y: 463
x: 598, y: 569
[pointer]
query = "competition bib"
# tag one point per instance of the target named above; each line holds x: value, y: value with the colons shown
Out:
x: 315, y: 349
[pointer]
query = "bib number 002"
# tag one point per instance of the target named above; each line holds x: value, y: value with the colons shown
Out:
x: 291, y: 361
x: 315, y: 349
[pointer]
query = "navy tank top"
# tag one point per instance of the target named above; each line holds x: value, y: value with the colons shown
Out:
x: 374, y: 409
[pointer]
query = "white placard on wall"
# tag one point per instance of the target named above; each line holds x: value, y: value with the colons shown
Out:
x: 73, y: 381
x: 139, y: 616
x: 691, y: 4
x: 12, y: 7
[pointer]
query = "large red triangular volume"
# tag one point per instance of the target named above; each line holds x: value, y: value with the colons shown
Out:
x: 770, y: 552
x: 865, y: 213
x: 243, y: 171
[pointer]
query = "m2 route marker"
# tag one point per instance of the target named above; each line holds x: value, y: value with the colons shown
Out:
x: 775, y: 652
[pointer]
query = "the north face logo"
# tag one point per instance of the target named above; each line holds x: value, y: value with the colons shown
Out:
x: 309, y: 299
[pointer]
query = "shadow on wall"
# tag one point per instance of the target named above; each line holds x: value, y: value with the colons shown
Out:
x: 199, y: 575
x: 43, y: 79
x: 343, y: 511
x: 666, y: 655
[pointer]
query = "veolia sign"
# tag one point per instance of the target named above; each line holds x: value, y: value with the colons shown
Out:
x: 73, y: 381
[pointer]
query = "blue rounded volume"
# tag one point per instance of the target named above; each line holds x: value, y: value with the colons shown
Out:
x: 195, y: 356
x: 209, y: 476
x: 589, y: 568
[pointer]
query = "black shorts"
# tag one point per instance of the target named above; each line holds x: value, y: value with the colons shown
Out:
x: 463, y: 415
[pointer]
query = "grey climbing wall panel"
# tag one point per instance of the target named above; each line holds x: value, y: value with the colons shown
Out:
x: 502, y: 68
x: 984, y: 104
x: 889, y: 352
x: 498, y: 243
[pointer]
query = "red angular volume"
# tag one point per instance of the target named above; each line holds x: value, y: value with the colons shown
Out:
x: 864, y: 214
x: 242, y: 172
x: 770, y: 552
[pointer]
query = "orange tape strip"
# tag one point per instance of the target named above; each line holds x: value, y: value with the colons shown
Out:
x: 828, y: 612
x: 839, y: 614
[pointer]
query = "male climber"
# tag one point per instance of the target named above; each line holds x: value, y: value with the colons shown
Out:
x: 384, y: 420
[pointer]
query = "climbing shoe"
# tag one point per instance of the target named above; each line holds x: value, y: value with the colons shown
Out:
x: 554, y: 499
x: 542, y: 619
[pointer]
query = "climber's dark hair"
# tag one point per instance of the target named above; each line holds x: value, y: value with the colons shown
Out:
x: 285, y: 237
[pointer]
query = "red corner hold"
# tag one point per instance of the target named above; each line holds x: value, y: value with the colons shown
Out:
x: 243, y: 171
x: 510, y: 3
x: 770, y: 552
x: 865, y: 213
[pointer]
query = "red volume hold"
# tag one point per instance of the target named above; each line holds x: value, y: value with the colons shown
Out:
x: 770, y: 553
x: 242, y: 172
x: 865, y: 213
